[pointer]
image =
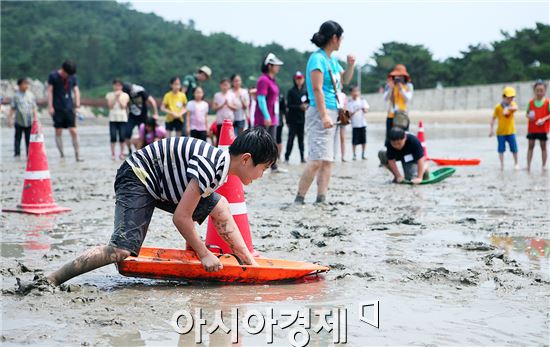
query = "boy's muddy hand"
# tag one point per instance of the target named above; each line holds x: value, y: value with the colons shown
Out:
x: 416, y: 180
x: 211, y: 263
x: 399, y: 179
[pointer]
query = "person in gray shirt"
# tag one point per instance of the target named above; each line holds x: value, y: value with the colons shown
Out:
x: 23, y: 106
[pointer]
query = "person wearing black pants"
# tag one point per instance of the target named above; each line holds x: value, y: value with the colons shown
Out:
x: 282, y: 116
x: 23, y: 110
x: 19, y: 131
x: 297, y: 103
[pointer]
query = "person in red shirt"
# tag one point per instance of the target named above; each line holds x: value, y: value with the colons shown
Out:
x: 538, y: 113
x: 213, y: 133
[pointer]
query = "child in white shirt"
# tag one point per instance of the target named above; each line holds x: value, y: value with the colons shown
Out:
x: 358, y: 107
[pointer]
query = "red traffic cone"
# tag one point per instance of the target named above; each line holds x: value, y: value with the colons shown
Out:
x: 422, y: 138
x: 232, y: 190
x: 37, y: 197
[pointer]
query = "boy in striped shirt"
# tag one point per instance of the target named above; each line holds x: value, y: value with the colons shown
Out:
x: 178, y: 175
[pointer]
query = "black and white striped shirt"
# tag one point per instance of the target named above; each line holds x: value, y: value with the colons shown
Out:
x: 167, y: 166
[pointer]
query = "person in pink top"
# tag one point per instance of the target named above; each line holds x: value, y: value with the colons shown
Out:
x: 197, y: 112
x: 266, y: 114
x: 148, y: 133
x: 224, y: 103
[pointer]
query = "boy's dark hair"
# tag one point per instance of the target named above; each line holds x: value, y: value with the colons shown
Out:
x: 225, y: 79
x: 174, y: 79
x: 258, y: 143
x: 22, y: 80
x: 397, y: 133
x: 118, y: 81
x: 69, y: 67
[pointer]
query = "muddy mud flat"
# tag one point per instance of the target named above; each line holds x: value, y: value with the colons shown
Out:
x: 464, y: 261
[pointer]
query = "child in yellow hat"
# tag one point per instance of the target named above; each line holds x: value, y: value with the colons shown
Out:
x: 506, y: 129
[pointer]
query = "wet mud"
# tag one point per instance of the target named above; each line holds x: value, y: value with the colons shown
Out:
x: 461, y: 262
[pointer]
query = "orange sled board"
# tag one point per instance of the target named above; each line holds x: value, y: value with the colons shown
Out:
x: 455, y: 162
x: 166, y: 263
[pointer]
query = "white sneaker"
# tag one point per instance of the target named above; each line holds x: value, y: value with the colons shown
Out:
x: 279, y: 170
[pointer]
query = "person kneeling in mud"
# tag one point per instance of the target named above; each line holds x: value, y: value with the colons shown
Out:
x: 406, y: 148
x: 178, y: 175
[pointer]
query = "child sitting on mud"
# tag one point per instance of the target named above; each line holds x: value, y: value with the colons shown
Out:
x: 180, y: 176
x: 406, y: 148
x: 148, y: 133
x: 506, y: 130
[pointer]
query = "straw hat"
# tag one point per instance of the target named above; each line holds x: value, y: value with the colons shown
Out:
x: 400, y: 70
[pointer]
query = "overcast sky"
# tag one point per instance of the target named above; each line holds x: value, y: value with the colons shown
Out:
x: 444, y: 27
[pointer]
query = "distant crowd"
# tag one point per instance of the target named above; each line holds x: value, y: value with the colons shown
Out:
x: 263, y: 105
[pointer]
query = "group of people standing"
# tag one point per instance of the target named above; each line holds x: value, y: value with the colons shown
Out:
x: 311, y: 106
x: 538, y: 116
x: 129, y: 104
x: 63, y: 97
x: 187, y: 111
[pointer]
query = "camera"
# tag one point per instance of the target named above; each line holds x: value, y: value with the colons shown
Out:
x: 398, y: 79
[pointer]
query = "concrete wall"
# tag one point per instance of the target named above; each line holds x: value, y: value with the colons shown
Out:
x: 458, y: 98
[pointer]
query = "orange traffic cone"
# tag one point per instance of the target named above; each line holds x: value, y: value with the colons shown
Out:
x: 37, y: 197
x: 422, y: 138
x: 232, y: 190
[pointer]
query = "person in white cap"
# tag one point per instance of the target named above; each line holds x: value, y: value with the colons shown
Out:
x: 191, y: 82
x: 267, y: 91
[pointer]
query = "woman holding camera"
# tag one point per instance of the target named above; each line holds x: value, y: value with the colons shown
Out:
x: 399, y: 92
x: 323, y: 79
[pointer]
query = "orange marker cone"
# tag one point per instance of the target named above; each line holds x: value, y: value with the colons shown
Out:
x: 422, y: 138
x: 232, y: 190
x: 37, y: 197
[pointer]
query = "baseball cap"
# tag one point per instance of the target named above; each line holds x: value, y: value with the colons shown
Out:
x: 509, y: 92
x: 206, y: 70
x: 298, y: 74
x: 272, y: 59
